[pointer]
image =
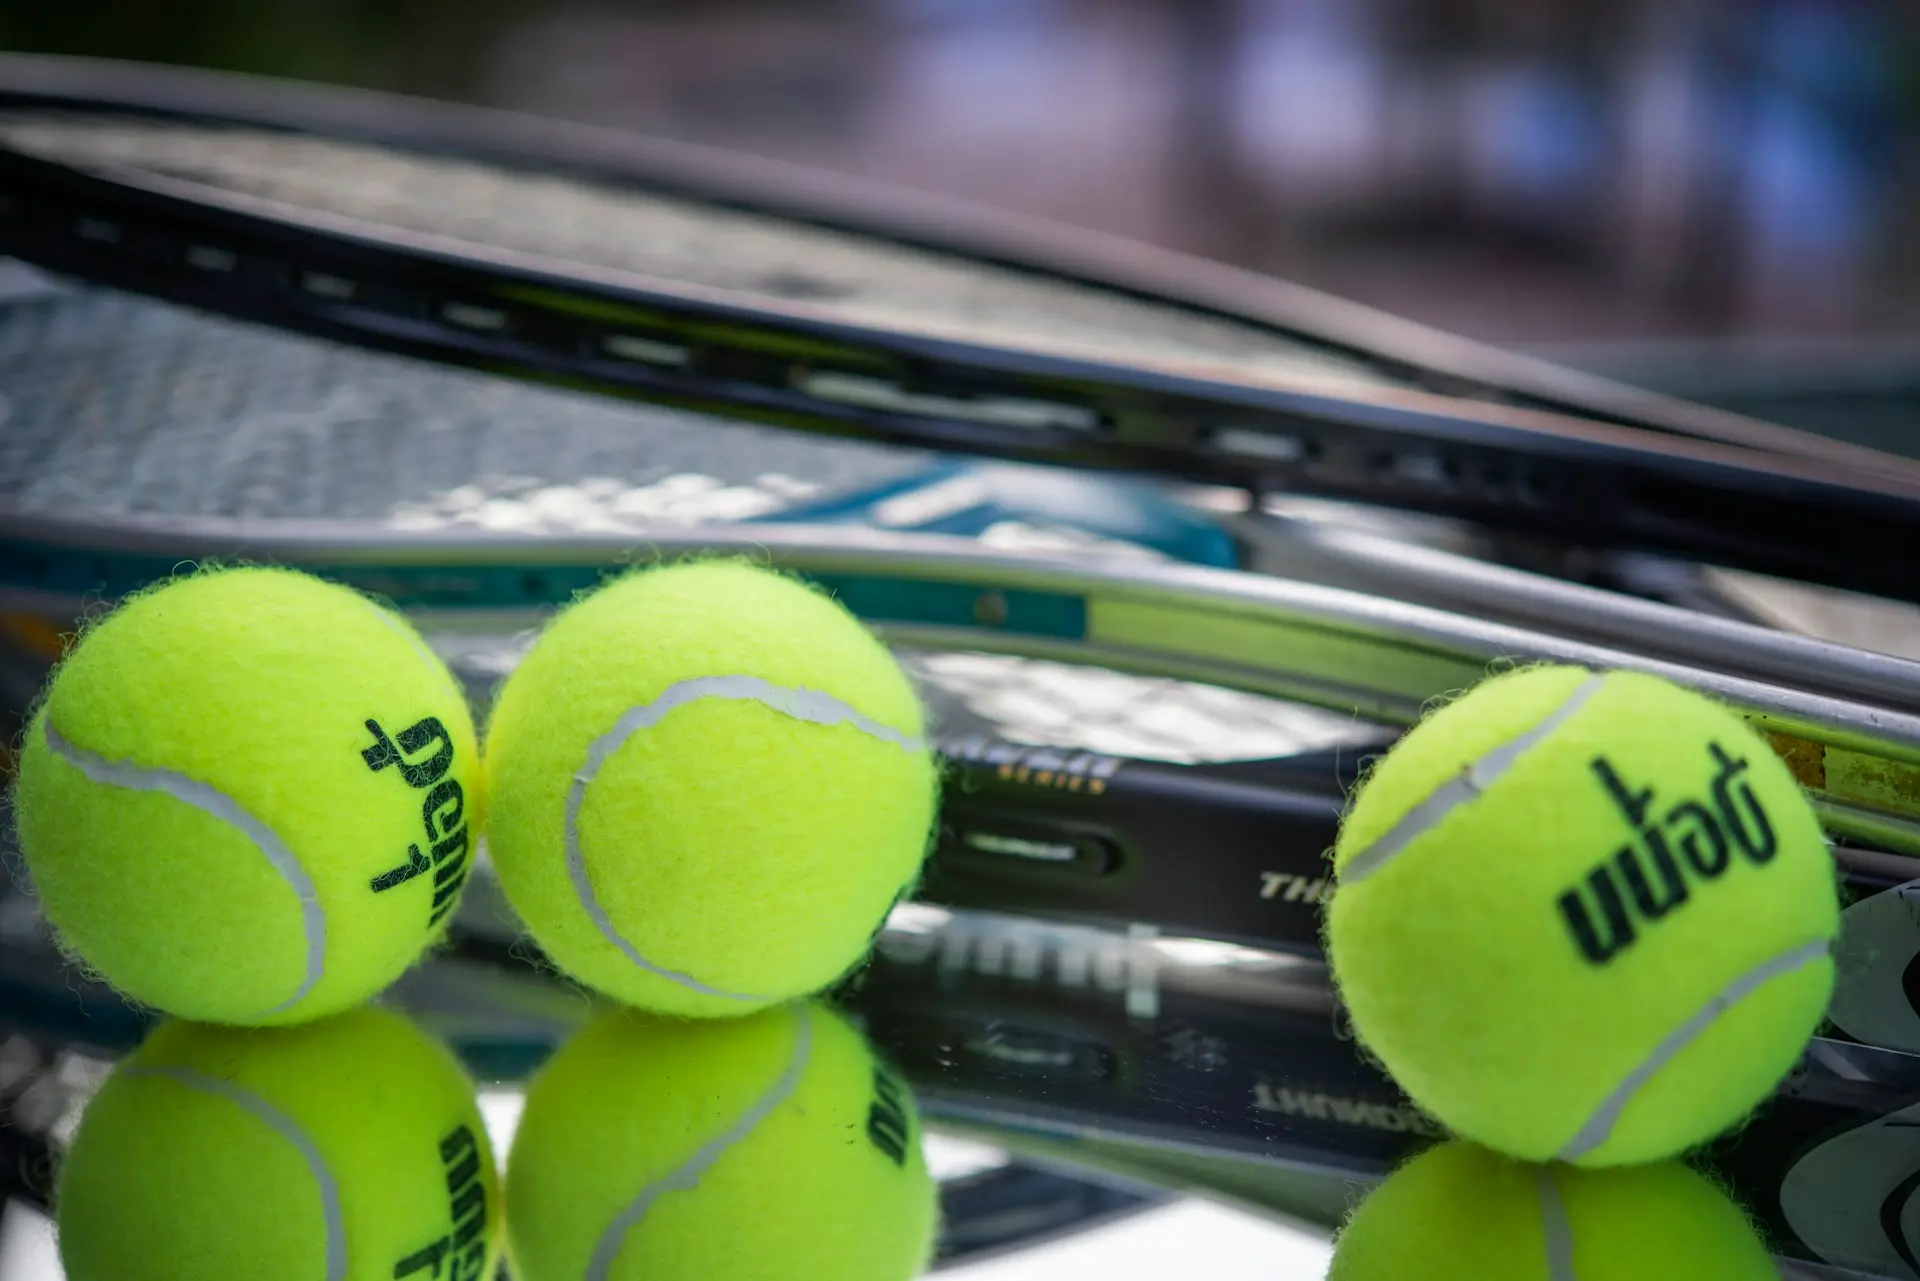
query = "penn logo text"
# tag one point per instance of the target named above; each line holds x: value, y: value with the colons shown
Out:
x: 423, y: 755
x: 1690, y: 842
x: 461, y: 1254
x: 887, y: 1126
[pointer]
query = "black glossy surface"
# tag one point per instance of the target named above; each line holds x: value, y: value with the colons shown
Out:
x: 1139, y: 1059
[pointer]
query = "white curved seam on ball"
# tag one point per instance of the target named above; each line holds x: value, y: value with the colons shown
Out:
x: 282, y: 1125
x: 418, y: 643
x: 801, y: 704
x: 1600, y: 1124
x: 686, y: 1176
x: 1464, y: 787
x: 1555, y: 1231
x: 209, y: 800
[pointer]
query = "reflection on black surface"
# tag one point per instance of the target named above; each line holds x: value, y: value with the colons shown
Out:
x: 767, y: 1147
x: 348, y: 1148
x: 1853, y: 1193
x: 1129, y: 1058
x: 1180, y: 1041
x: 1219, y: 1068
x: 1459, y: 1213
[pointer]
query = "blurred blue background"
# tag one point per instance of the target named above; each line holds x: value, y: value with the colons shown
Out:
x: 1529, y: 171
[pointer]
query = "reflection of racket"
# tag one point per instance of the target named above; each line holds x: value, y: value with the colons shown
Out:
x: 1172, y: 1060
x: 1214, y: 1066
x: 575, y: 272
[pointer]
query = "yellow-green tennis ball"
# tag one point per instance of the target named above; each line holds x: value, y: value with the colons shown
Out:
x: 770, y: 1147
x: 1583, y: 916
x: 249, y: 796
x: 709, y: 784
x: 350, y: 1149
x: 1458, y: 1212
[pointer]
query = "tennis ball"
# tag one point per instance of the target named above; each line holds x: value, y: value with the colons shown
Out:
x: 247, y: 797
x: 709, y: 785
x: 1458, y: 1212
x: 1583, y: 916
x: 773, y: 1146
x: 350, y: 1149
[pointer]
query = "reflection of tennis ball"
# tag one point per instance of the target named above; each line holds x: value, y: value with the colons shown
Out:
x: 345, y: 1150
x: 1583, y: 916
x: 768, y: 1146
x: 1459, y: 1213
x: 248, y: 796
x: 709, y: 786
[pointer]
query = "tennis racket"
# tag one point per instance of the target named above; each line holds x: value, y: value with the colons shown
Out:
x: 443, y: 241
